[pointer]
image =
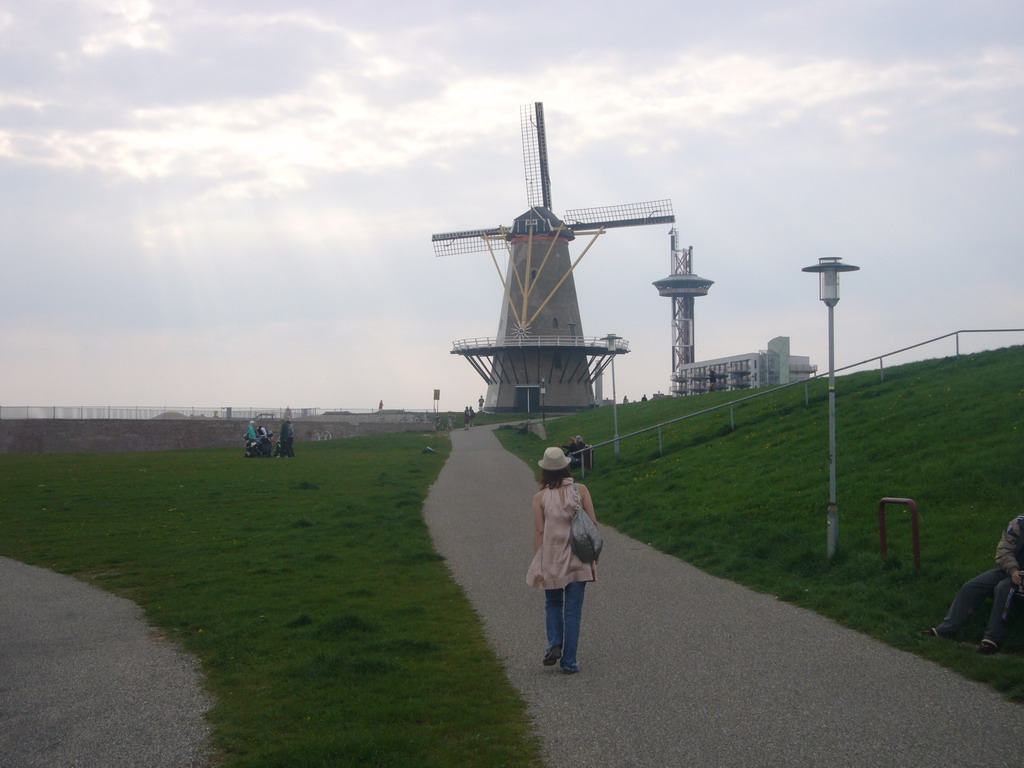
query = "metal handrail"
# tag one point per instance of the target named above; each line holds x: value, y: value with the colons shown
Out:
x: 773, y: 390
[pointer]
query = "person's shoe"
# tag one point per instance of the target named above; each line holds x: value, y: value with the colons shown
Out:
x: 552, y: 656
x: 930, y: 632
x: 987, y: 647
x: 571, y: 670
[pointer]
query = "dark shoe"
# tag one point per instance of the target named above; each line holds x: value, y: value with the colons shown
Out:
x: 930, y: 632
x: 571, y: 670
x: 552, y: 656
x: 987, y: 647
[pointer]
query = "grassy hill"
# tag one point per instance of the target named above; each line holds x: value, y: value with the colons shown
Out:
x: 329, y: 630
x: 748, y: 503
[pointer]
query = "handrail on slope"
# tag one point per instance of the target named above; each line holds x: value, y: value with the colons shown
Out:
x: 773, y: 390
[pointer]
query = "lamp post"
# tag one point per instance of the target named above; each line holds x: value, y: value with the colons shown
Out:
x: 611, y: 338
x: 828, y: 269
x: 543, y: 391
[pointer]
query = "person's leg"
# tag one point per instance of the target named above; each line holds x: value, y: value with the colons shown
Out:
x: 553, y: 617
x: 971, y: 595
x: 996, y: 626
x: 574, y: 593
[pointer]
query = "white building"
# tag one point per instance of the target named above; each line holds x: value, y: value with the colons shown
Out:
x: 766, y: 368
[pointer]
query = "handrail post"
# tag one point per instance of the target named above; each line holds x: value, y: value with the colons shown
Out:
x: 915, y: 528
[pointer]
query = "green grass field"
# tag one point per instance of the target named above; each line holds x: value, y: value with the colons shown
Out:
x: 749, y: 503
x: 328, y: 628
x: 331, y: 634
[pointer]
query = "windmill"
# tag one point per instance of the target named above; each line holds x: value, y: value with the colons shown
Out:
x: 540, y: 350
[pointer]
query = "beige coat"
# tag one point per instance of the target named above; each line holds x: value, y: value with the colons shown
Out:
x: 554, y: 565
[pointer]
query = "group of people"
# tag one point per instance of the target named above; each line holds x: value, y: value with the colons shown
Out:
x: 258, y: 441
x: 575, y: 449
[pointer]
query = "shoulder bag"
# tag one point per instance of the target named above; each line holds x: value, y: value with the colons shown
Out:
x: 584, y: 538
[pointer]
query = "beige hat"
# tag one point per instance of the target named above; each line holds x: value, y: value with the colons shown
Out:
x: 553, y: 459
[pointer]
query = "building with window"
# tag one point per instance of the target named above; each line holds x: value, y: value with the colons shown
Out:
x: 769, y: 367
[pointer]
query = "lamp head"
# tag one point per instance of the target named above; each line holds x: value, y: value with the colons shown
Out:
x: 828, y: 269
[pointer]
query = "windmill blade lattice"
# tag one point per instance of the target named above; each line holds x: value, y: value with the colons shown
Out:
x: 535, y: 155
x: 628, y: 215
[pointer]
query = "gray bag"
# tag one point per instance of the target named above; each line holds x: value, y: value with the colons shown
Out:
x: 584, y: 538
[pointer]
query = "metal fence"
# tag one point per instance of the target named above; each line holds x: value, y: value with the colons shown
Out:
x: 80, y: 412
x: 879, y: 359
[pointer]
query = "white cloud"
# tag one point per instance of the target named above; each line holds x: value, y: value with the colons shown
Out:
x: 332, y: 126
x: 201, y: 154
x: 127, y: 23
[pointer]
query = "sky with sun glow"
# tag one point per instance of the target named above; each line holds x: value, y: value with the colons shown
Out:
x: 231, y: 202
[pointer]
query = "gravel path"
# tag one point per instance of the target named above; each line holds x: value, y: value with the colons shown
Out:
x: 680, y: 668
x: 86, y: 683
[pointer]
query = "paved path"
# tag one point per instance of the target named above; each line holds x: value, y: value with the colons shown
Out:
x: 85, y: 682
x: 680, y: 668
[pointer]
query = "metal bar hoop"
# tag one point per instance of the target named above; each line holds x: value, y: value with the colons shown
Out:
x: 915, y: 528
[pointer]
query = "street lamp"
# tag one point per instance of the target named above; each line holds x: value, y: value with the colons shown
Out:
x: 611, y: 338
x: 828, y: 269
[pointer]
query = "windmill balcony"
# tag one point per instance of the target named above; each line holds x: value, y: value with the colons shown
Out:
x: 479, y: 345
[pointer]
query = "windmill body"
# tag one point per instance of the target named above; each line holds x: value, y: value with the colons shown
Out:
x: 540, y: 356
x: 540, y: 329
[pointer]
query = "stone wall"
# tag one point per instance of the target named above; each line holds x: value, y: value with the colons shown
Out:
x: 127, y: 435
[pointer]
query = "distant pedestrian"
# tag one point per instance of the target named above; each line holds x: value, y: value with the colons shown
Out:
x: 643, y: 399
x: 480, y: 403
x: 555, y: 568
x: 287, y: 439
x: 266, y: 446
x: 451, y: 422
x: 466, y: 418
x: 712, y: 380
x: 472, y: 415
x: 380, y: 407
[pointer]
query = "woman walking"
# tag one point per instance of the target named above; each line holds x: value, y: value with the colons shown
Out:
x: 555, y: 568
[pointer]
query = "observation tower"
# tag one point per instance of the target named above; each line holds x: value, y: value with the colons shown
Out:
x: 682, y: 286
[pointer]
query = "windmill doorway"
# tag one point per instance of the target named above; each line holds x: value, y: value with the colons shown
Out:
x: 527, y: 399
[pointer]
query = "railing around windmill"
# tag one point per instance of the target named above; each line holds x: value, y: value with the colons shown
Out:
x: 880, y: 359
x: 466, y: 345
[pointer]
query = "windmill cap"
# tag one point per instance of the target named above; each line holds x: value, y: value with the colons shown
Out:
x: 539, y: 221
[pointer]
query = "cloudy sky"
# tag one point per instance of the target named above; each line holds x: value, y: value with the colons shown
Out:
x: 231, y: 202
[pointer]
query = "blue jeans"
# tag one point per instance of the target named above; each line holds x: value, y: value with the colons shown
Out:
x: 563, y: 610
